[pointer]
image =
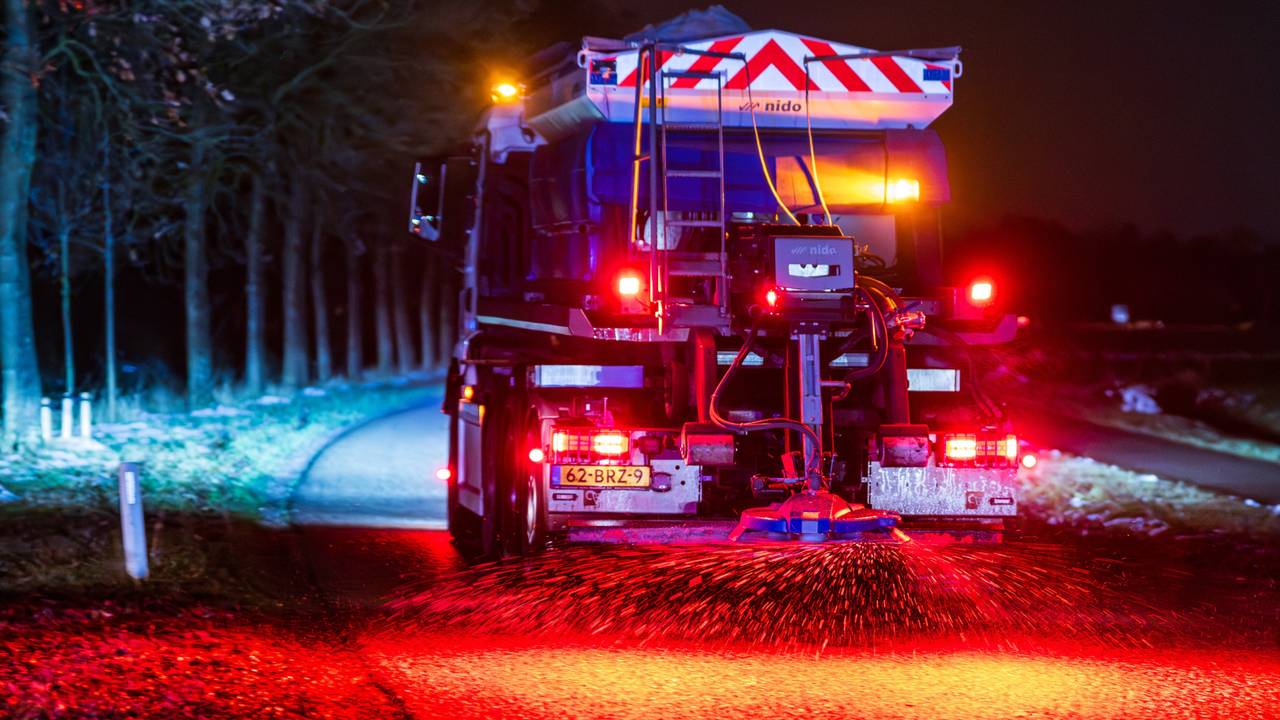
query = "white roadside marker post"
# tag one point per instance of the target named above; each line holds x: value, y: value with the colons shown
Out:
x: 67, y: 422
x: 86, y: 415
x: 132, y: 525
x: 46, y: 419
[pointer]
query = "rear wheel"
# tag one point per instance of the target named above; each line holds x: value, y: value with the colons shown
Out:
x: 526, y: 498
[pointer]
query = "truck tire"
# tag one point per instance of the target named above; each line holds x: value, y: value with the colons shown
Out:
x: 526, y: 516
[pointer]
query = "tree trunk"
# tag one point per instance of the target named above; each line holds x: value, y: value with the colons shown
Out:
x: 109, y: 288
x: 428, y: 311
x: 400, y: 308
x: 448, y: 332
x: 196, y: 285
x: 255, y: 340
x: 19, y: 372
x: 294, y: 371
x: 64, y: 304
x: 355, y: 321
x: 320, y: 307
x: 382, y: 311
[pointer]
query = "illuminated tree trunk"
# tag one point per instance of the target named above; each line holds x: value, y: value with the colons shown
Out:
x: 355, y: 308
x: 64, y: 304
x: 428, y: 312
x: 109, y: 288
x: 448, y: 331
x: 19, y: 373
x: 320, y: 307
x: 293, y: 305
x: 196, y: 284
x: 400, y: 308
x: 255, y: 293
x: 382, y: 312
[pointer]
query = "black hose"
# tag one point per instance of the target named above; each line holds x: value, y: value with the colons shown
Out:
x: 879, y: 329
x: 812, y: 461
x: 978, y: 393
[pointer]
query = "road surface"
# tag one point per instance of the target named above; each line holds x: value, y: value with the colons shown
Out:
x: 1013, y: 631
x: 1245, y: 477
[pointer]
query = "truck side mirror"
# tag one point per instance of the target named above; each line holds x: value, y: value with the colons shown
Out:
x: 442, y: 204
x: 425, y: 221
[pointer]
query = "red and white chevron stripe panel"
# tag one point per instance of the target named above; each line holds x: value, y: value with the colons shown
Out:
x: 863, y: 93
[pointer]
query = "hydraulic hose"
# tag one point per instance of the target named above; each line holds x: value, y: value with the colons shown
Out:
x: 755, y: 130
x: 813, y: 155
x: 812, y: 461
x: 879, y: 340
x: 978, y: 393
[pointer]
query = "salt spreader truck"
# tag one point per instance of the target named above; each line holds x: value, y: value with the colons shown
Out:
x: 703, y: 299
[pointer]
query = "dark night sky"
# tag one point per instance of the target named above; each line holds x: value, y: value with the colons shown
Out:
x: 1093, y: 113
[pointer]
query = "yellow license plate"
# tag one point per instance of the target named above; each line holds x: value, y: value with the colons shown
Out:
x: 601, y: 476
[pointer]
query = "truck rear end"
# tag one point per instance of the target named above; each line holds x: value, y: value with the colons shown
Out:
x: 704, y: 299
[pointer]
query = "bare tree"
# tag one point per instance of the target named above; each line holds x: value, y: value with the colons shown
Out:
x: 195, y: 281
x: 429, y: 311
x: 400, y: 309
x: 382, y: 310
x: 448, y: 331
x: 20, y: 374
x: 293, y: 290
x: 355, y: 307
x: 320, y: 305
x: 255, y: 340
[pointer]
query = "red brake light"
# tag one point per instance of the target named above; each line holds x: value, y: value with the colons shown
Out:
x: 536, y: 455
x: 982, y: 291
x: 444, y: 474
x: 978, y: 450
x: 589, y: 446
x: 960, y: 447
x: 611, y: 444
x: 771, y: 297
x: 629, y: 284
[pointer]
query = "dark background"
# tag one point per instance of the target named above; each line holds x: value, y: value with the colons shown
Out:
x: 1099, y: 153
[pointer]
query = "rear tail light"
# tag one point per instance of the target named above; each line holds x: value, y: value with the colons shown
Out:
x: 978, y: 450
x: 612, y: 444
x: 982, y: 291
x: 589, y: 446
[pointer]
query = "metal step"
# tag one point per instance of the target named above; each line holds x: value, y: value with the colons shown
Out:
x: 694, y: 173
x: 696, y: 316
x: 690, y: 264
x: 695, y: 223
x: 691, y: 127
x: 700, y: 75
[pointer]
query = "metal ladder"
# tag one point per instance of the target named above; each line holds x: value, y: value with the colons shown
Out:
x: 665, y: 260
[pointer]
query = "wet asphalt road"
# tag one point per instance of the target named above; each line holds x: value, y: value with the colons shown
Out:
x: 1242, y: 476
x: 1159, y: 637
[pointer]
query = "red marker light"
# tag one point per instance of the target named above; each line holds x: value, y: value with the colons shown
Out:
x: 444, y: 474
x: 981, y: 292
x: 536, y: 455
x: 629, y: 284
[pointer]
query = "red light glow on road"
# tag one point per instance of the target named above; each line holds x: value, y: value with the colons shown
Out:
x: 448, y: 676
